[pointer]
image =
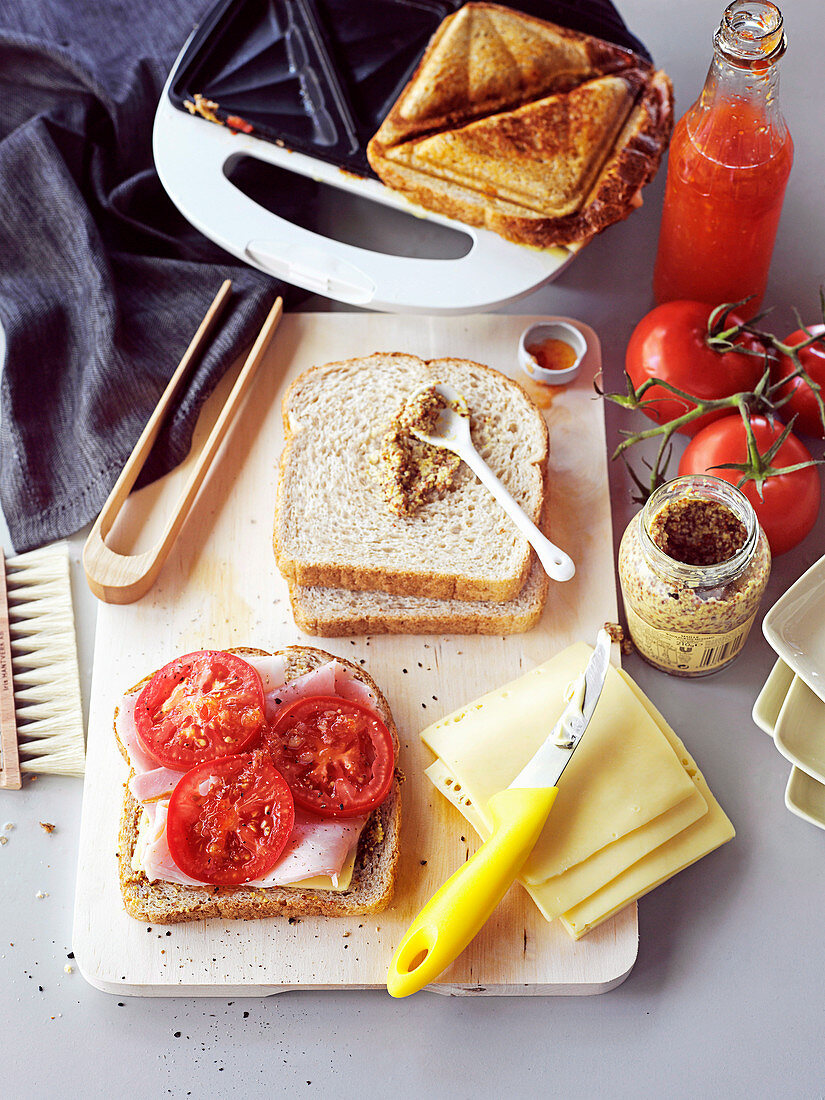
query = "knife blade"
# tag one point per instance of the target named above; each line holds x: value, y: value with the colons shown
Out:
x: 458, y: 910
x: 545, y: 767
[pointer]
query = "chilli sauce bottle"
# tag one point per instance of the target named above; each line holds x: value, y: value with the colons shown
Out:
x: 729, y: 162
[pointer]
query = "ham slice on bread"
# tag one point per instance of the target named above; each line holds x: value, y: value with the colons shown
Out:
x: 154, y: 888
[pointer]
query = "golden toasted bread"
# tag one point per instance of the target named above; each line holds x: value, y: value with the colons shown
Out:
x: 486, y: 58
x: 541, y: 134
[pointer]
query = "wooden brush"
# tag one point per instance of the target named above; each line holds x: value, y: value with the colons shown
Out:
x: 41, y: 717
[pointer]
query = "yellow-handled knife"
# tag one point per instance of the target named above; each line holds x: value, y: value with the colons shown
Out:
x: 456, y: 913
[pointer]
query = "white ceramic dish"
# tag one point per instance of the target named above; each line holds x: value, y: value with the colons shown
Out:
x: 770, y: 699
x: 805, y: 797
x: 795, y: 627
x: 797, y: 738
x: 800, y: 729
x: 535, y: 335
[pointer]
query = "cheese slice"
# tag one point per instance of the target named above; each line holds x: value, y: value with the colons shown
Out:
x: 709, y: 832
x: 623, y: 775
x: 339, y: 883
x: 561, y: 892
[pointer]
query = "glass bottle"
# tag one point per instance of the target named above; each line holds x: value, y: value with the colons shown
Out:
x: 686, y: 619
x: 730, y: 157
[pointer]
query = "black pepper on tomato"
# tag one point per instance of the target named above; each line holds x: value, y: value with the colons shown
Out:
x: 200, y: 706
x: 229, y: 819
x: 337, y: 756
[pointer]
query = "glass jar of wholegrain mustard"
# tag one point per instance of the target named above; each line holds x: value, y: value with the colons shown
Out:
x: 693, y: 565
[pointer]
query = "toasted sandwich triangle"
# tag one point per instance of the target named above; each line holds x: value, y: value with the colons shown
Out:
x: 486, y: 58
x: 543, y: 156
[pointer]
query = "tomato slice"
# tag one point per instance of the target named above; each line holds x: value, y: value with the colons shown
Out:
x: 229, y: 819
x: 198, y: 707
x: 337, y: 756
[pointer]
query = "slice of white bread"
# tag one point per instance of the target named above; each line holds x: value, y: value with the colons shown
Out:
x: 333, y: 526
x: 373, y: 878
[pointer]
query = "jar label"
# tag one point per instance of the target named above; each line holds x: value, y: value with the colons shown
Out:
x: 682, y: 652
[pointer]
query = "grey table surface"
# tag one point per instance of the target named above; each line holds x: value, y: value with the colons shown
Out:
x: 727, y: 994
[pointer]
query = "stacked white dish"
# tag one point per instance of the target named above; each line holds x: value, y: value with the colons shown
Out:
x: 791, y: 705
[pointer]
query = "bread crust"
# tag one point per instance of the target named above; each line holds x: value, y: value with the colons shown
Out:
x: 380, y: 622
x: 627, y: 166
x: 395, y: 579
x: 376, y: 862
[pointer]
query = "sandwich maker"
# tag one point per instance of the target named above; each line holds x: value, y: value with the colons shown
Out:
x: 303, y: 85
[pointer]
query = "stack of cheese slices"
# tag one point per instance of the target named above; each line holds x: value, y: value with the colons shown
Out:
x: 632, y: 809
x: 456, y: 564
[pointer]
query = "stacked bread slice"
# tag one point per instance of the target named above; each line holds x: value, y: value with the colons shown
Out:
x: 456, y: 564
x: 537, y: 132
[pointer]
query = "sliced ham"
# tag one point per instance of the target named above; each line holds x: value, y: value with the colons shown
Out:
x: 272, y: 670
x: 350, y: 687
x: 155, y: 784
x: 333, y: 678
x: 321, y: 681
x: 316, y: 847
x: 139, y: 758
x: 154, y: 855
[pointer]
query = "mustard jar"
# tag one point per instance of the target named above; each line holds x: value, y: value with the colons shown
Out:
x: 693, y: 565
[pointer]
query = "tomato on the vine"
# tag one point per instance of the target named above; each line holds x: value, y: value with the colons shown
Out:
x: 789, y: 503
x: 802, y: 402
x: 672, y: 344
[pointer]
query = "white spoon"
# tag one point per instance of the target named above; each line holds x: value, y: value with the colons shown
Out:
x: 452, y: 431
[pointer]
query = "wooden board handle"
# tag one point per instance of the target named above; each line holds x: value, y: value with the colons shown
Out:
x: 124, y: 578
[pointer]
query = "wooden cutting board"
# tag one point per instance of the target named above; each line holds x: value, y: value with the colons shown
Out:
x: 220, y: 588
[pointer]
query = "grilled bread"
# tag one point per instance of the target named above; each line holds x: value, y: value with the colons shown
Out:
x: 546, y: 149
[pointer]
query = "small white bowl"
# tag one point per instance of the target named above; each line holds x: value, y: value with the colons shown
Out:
x: 535, y: 335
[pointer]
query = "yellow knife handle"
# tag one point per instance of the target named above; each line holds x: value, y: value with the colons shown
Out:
x: 454, y: 915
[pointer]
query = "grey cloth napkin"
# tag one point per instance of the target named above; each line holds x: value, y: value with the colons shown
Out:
x: 102, y: 282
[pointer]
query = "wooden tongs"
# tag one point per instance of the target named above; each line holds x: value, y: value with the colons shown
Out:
x: 124, y: 578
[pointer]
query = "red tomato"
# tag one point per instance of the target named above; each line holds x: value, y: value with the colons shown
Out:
x: 670, y: 344
x: 803, y: 403
x: 337, y: 756
x: 229, y: 819
x: 789, y: 504
x: 200, y: 706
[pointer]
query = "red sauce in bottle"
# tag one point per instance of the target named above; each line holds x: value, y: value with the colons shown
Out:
x: 729, y: 162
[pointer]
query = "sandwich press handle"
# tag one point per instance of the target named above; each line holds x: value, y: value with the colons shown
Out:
x: 456, y: 913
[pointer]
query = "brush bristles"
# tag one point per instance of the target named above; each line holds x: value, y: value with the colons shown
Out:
x: 44, y: 662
